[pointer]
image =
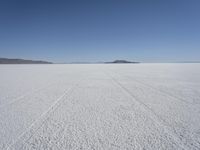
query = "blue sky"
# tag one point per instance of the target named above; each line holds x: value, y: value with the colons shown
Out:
x: 100, y: 30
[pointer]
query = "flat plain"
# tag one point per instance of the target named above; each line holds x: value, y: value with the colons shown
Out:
x: 100, y: 106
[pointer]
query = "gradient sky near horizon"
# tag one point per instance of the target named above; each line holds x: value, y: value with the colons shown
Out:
x: 100, y: 30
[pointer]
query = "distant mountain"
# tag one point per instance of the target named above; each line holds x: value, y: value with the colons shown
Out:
x: 121, y: 62
x: 22, y: 61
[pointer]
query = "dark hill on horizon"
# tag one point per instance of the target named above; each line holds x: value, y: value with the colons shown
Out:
x: 121, y: 62
x: 22, y: 61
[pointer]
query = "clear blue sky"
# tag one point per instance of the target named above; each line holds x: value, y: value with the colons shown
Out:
x: 100, y: 30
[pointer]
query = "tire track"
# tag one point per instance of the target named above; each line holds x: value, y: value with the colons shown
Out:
x: 168, y: 129
x: 17, y: 99
x: 83, y: 129
x: 164, y: 93
x: 42, y: 118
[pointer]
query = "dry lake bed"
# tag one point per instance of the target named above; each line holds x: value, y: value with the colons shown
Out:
x: 100, y: 106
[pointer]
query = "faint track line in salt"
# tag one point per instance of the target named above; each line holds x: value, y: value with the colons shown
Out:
x: 160, y: 120
x: 24, y: 95
x: 42, y: 117
x: 164, y: 93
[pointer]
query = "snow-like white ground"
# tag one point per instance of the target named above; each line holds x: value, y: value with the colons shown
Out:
x: 100, y: 106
